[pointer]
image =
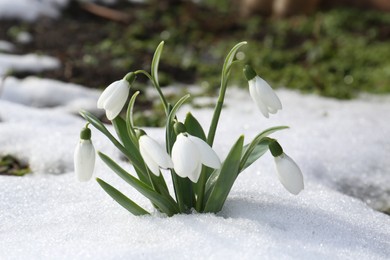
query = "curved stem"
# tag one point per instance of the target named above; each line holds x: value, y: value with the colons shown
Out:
x: 157, y: 87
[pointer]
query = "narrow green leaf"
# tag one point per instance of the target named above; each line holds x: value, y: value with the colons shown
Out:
x: 170, y: 121
x: 122, y: 199
x: 156, y: 61
x: 226, y: 178
x: 255, y: 149
x: 193, y: 127
x: 166, y: 205
x: 121, y: 130
x: 129, y: 116
x: 131, y: 148
x: 259, y: 150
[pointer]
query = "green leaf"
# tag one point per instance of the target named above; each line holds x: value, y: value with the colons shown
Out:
x: 129, y: 116
x: 156, y: 61
x: 226, y: 178
x: 255, y: 149
x: 166, y: 205
x: 260, y: 149
x: 171, y: 137
x: 122, y: 199
x: 121, y: 130
x: 131, y: 149
x: 193, y: 127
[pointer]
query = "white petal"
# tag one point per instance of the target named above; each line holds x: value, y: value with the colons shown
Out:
x: 268, y: 95
x: 207, y: 155
x: 289, y: 174
x: 105, y: 94
x: 152, y: 165
x: 257, y: 98
x: 185, y: 156
x: 155, y: 151
x: 114, y: 103
x: 194, y: 176
x: 84, y: 160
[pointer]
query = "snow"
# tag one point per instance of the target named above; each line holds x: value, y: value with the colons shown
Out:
x: 36, y: 92
x: 342, y: 148
x: 31, y: 10
x: 26, y: 63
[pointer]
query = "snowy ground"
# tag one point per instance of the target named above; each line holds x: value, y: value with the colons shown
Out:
x: 341, y: 146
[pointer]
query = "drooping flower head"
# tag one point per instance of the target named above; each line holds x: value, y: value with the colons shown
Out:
x: 84, y: 156
x: 154, y: 155
x: 189, y: 153
x: 262, y: 93
x: 288, y: 171
x: 115, y: 96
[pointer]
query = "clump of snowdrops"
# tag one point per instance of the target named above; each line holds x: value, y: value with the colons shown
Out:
x: 201, y: 181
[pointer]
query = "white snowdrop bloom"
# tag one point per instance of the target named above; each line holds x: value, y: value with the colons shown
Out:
x: 114, y: 98
x: 289, y: 174
x: 189, y: 153
x: 154, y: 155
x: 264, y: 96
x: 84, y: 157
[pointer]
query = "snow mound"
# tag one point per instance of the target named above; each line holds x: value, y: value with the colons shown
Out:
x: 46, y: 93
x: 30, y: 10
x: 27, y: 63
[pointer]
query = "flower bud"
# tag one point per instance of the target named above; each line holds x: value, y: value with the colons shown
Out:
x: 84, y: 156
x: 289, y: 174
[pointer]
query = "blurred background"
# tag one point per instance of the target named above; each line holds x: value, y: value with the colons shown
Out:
x: 333, y: 48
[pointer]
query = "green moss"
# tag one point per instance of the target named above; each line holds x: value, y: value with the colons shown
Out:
x: 10, y: 165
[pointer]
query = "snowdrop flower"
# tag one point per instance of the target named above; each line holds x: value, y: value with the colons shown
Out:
x: 154, y: 155
x: 289, y: 173
x: 189, y: 153
x: 262, y: 93
x: 84, y: 156
x: 114, y: 98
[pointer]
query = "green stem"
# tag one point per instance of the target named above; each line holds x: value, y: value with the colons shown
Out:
x: 210, y: 138
x: 157, y: 87
x: 202, y: 184
x: 217, y: 114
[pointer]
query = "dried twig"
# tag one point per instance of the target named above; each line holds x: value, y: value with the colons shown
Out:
x: 107, y: 13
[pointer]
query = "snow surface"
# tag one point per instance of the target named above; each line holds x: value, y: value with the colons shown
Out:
x: 341, y: 146
x: 26, y: 63
x: 30, y: 10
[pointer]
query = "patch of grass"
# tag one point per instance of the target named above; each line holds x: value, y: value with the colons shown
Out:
x: 10, y: 165
x: 337, y: 53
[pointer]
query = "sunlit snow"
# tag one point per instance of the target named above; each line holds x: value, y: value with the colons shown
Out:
x: 341, y: 146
